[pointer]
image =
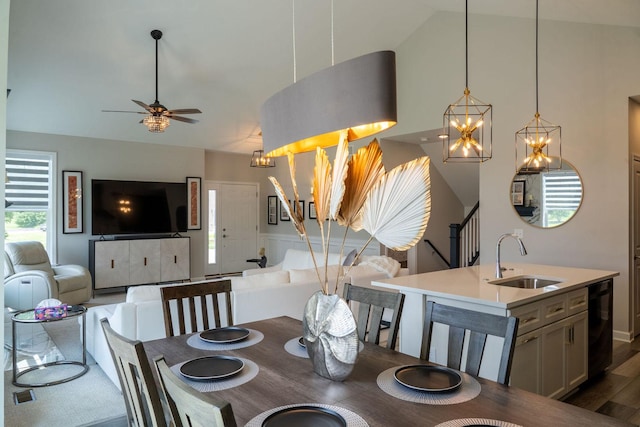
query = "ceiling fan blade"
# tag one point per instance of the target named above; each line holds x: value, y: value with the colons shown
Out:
x: 143, y: 105
x: 182, y: 119
x: 184, y: 111
x: 121, y: 111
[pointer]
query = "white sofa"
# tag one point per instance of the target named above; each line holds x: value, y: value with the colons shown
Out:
x: 281, y: 290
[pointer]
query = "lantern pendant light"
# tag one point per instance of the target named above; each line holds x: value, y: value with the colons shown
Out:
x: 466, y: 121
x: 539, y: 142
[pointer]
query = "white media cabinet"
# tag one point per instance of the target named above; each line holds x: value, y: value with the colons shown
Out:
x: 126, y: 262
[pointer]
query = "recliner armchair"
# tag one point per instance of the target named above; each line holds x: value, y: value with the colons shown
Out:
x: 29, y: 278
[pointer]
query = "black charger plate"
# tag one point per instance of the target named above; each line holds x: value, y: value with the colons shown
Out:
x: 212, y: 367
x: 305, y: 415
x: 226, y: 335
x: 433, y: 379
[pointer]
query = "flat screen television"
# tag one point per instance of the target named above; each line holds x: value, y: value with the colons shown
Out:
x: 137, y: 207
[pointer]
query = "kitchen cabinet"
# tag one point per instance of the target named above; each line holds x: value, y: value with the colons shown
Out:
x: 118, y: 263
x: 550, y: 357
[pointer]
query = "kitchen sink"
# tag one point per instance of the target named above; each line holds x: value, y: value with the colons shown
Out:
x: 525, y: 282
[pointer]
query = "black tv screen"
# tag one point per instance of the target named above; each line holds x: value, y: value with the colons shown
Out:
x: 137, y: 207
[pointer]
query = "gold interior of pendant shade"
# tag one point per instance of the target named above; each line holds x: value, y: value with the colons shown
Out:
x: 357, y: 96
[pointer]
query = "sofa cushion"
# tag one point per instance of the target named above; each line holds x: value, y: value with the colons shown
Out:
x: 27, y: 256
x: 308, y: 275
x: 259, y: 280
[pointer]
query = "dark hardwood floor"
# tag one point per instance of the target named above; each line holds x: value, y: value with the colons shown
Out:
x: 616, y: 392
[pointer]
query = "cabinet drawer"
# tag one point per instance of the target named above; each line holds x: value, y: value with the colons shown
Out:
x: 554, y: 309
x: 530, y: 316
x: 578, y: 301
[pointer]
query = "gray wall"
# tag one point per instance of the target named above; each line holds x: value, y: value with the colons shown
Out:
x: 104, y: 159
x: 587, y: 75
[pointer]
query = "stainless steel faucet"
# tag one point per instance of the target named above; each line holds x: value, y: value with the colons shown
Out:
x: 523, y: 251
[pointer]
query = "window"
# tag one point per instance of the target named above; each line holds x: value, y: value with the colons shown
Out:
x: 562, y: 194
x: 29, y: 198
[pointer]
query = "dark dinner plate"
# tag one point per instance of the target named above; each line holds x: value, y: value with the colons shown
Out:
x: 305, y: 416
x: 301, y: 342
x: 212, y: 367
x: 224, y: 335
x: 434, y: 379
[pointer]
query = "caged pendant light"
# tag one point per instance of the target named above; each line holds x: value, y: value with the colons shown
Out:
x: 466, y: 121
x: 539, y: 138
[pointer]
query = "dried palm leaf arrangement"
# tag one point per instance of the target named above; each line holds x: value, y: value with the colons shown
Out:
x: 356, y: 192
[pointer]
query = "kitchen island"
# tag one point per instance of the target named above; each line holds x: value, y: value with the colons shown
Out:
x: 552, y: 345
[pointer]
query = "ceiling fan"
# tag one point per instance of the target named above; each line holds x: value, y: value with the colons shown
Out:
x: 158, y: 116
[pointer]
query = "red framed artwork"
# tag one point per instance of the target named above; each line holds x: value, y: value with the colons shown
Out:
x: 193, y: 203
x: 72, y: 212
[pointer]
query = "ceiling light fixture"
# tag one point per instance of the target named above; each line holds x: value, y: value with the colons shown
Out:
x: 538, y: 136
x: 357, y: 96
x: 259, y: 160
x: 467, y: 119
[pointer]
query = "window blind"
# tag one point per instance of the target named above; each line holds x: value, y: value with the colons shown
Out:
x: 27, y: 182
x: 562, y: 193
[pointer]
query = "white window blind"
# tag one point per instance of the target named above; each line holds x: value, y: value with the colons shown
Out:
x: 562, y: 194
x: 28, y: 185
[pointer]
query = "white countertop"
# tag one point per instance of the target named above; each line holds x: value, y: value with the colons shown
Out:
x: 470, y: 284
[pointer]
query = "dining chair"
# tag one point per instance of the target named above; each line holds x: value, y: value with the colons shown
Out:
x: 371, y: 306
x: 141, y: 396
x: 189, y: 407
x: 478, y: 326
x: 199, y: 301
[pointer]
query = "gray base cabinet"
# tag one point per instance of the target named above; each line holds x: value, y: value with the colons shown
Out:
x: 117, y: 263
x: 552, y: 345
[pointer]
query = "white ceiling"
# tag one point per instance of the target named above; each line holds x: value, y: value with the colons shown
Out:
x: 70, y: 59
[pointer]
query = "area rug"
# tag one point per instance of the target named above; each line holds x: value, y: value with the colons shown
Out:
x: 91, y: 400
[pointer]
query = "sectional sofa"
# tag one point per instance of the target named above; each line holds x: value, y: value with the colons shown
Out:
x: 280, y: 290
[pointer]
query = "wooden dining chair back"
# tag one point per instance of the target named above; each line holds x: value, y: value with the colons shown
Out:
x: 189, y: 407
x: 371, y: 306
x: 188, y: 308
x: 139, y: 389
x: 478, y: 326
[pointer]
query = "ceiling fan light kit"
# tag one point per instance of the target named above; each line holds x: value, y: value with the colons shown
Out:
x: 158, y: 116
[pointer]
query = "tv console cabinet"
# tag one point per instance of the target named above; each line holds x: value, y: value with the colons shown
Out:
x: 127, y: 262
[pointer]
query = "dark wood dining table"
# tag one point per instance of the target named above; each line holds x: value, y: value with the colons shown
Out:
x: 285, y: 379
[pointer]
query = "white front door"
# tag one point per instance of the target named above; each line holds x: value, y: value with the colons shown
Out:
x: 232, y: 220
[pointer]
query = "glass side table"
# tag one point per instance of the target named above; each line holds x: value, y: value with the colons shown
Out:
x: 28, y: 316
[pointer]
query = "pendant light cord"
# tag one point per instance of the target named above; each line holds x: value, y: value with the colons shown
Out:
x: 537, y: 110
x: 466, y: 43
x: 332, y: 46
x: 293, y: 9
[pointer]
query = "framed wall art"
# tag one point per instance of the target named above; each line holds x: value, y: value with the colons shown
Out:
x: 295, y: 207
x: 517, y: 193
x: 194, y: 209
x: 312, y: 211
x: 284, y: 215
x: 272, y: 210
x: 72, y: 212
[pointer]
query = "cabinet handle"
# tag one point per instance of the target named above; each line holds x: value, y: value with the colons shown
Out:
x: 580, y: 302
x: 112, y: 263
x: 530, y: 319
x: 175, y: 259
x: 145, y: 261
x: 529, y: 340
x: 557, y: 309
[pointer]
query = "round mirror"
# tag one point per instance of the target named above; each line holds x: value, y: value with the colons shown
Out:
x: 547, y: 199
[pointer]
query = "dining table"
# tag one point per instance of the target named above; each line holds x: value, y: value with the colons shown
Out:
x: 283, y: 378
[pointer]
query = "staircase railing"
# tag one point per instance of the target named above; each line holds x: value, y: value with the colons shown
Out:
x: 465, y: 240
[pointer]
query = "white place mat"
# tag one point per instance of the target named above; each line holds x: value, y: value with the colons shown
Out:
x: 248, y: 373
x: 352, y: 419
x: 462, y: 422
x: 293, y: 347
x: 469, y: 389
x: 254, y: 338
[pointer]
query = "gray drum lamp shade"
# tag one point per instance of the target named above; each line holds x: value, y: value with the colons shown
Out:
x: 358, y: 95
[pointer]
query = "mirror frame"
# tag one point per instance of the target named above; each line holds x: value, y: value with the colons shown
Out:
x: 520, y: 199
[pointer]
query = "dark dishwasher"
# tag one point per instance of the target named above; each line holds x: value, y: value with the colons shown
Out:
x: 600, y: 326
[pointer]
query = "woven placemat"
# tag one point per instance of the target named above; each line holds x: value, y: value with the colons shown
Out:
x: 352, y: 419
x: 254, y: 338
x: 469, y: 389
x: 248, y: 373
x: 462, y: 422
x: 293, y: 347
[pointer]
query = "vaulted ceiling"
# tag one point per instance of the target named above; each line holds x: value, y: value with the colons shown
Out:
x: 71, y: 59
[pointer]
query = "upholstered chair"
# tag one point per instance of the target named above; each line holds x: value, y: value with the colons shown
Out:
x: 30, y: 278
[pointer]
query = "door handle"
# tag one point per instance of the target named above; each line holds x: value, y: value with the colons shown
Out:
x: 224, y: 235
